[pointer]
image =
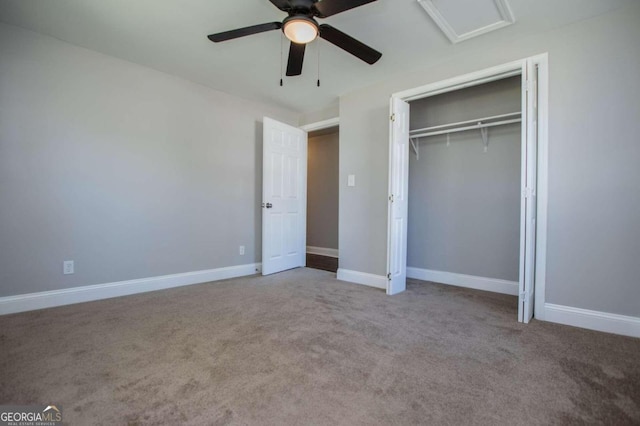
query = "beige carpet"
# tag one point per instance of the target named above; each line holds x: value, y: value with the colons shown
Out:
x: 302, y: 348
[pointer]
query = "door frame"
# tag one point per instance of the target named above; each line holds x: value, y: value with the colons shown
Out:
x: 320, y: 125
x: 485, y: 76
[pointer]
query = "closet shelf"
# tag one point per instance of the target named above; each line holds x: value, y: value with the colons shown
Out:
x: 462, y: 126
x: 481, y: 124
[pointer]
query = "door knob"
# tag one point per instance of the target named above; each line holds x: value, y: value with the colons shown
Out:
x: 269, y: 205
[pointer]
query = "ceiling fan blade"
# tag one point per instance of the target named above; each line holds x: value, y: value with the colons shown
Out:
x: 241, y: 32
x: 349, y: 44
x: 296, y: 57
x: 327, y: 8
x: 281, y: 4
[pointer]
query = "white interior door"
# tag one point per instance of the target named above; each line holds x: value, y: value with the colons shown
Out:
x: 284, y: 197
x: 398, y: 201
x: 529, y: 191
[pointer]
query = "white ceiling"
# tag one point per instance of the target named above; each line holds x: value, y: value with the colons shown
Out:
x: 170, y: 36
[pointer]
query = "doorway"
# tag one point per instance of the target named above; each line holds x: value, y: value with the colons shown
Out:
x: 533, y: 182
x: 284, y: 196
x: 322, y: 199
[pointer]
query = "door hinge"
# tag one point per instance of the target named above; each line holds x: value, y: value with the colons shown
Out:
x: 524, y: 296
x: 389, y: 276
x: 393, y: 117
x: 391, y: 198
x: 527, y: 193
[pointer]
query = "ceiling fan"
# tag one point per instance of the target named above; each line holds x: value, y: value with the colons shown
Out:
x: 301, y: 28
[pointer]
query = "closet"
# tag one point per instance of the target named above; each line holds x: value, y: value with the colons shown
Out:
x: 464, y: 191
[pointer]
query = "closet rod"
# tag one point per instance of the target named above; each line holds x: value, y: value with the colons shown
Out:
x: 442, y: 126
x: 465, y: 128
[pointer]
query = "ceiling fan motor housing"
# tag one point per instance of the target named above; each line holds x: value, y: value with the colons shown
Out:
x: 302, y: 5
x: 302, y: 17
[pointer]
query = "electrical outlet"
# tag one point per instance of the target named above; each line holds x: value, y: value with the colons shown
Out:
x: 241, y: 250
x: 67, y: 267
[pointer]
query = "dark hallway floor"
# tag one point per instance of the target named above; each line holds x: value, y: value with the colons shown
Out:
x: 325, y: 263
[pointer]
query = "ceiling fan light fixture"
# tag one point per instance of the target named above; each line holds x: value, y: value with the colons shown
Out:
x: 300, y: 29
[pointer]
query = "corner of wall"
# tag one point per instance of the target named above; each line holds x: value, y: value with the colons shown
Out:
x: 326, y: 113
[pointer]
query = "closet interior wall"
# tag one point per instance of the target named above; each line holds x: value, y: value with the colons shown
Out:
x: 464, y: 203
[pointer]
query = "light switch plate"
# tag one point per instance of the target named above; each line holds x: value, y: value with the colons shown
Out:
x: 351, y: 180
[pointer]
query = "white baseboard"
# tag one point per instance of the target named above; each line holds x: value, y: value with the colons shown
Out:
x: 593, y: 320
x: 371, y: 280
x: 322, y: 251
x: 68, y: 296
x: 460, y: 280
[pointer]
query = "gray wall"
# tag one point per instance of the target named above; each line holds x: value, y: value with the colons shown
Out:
x: 464, y: 204
x: 322, y: 189
x: 489, y: 99
x: 130, y: 172
x: 332, y: 111
x: 594, y: 149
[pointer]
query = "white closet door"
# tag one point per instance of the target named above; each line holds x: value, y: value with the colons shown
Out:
x: 398, y: 201
x: 529, y: 191
x: 284, y: 197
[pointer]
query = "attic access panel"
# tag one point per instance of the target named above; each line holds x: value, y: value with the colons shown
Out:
x: 464, y: 19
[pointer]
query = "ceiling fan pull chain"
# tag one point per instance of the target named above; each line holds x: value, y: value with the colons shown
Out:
x: 281, y: 41
x: 318, y: 42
